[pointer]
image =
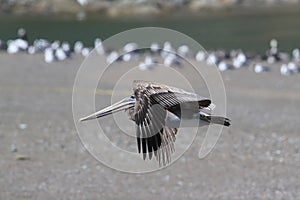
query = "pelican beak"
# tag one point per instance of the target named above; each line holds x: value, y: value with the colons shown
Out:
x: 119, y: 106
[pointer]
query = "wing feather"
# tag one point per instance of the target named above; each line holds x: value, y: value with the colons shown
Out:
x: 152, y: 103
x: 170, y: 99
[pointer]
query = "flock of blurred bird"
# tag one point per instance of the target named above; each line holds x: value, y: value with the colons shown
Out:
x: 149, y: 58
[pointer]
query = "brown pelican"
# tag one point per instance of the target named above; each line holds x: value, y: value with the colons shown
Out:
x: 158, y: 111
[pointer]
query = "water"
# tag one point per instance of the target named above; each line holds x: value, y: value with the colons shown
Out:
x: 227, y: 30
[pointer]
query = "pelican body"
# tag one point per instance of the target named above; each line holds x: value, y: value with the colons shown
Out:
x: 158, y: 111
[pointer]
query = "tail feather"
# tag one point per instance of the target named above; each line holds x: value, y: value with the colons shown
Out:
x: 219, y: 120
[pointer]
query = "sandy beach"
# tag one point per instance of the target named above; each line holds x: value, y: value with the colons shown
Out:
x: 41, y: 156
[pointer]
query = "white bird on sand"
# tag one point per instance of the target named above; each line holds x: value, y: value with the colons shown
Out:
x: 98, y: 45
x: 293, y: 67
x: 200, y: 56
x: 147, y: 64
x: 167, y: 49
x: 158, y: 111
x: 154, y: 47
x: 60, y: 54
x: 185, y: 51
x: 49, y: 55
x: 259, y: 68
x: 14, y: 46
x: 172, y: 60
x: 41, y: 44
x: 212, y: 59
x: 112, y: 57
x: 223, y: 66
x: 129, y: 47
x: 66, y: 48
x: 289, y: 69
x: 78, y: 46
x: 31, y: 49
x: 240, y: 60
x: 127, y: 57
x: 54, y: 45
x: 86, y: 51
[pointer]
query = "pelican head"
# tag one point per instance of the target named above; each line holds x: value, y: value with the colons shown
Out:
x: 124, y: 104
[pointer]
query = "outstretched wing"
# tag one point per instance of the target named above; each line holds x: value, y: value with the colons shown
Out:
x: 152, y: 103
x: 168, y: 96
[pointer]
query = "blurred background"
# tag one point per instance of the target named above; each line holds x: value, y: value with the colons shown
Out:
x: 253, y: 43
x: 226, y: 24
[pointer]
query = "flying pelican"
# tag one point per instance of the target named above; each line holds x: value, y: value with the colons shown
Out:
x: 158, y: 111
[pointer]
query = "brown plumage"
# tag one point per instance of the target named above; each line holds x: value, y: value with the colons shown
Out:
x: 150, y: 107
x: 153, y: 101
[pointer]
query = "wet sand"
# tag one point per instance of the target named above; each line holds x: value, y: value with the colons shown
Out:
x: 258, y: 157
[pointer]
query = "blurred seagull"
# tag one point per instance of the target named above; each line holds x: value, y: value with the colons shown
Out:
x: 49, y: 56
x: 112, y: 57
x: 130, y: 47
x: 259, y: 68
x: 17, y: 45
x: 223, y: 66
x: 158, y: 111
x: 293, y: 67
x: 240, y: 60
x: 147, y: 64
x: 154, y: 47
x: 99, y: 46
x: 167, y: 49
x: 185, y: 51
x: 289, y: 69
x: 172, y: 60
x: 212, y: 59
x: 200, y: 56
x: 78, y: 46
